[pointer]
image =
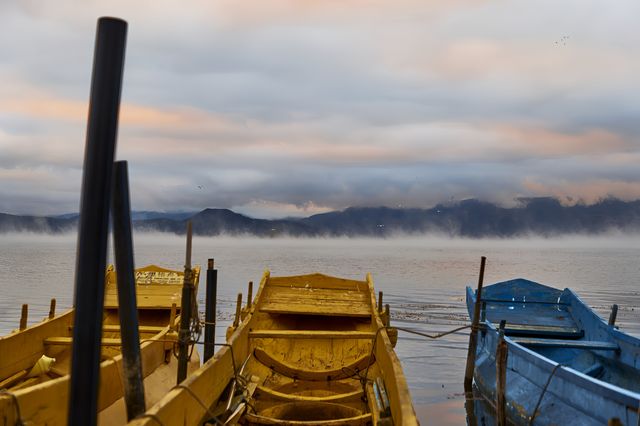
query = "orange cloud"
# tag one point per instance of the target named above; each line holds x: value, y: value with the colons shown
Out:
x: 46, y: 106
x: 538, y: 141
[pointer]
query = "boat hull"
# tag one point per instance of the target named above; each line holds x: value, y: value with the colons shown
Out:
x: 298, y: 356
x: 43, y: 398
x: 553, y: 377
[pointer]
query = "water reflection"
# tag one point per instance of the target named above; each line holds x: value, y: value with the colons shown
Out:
x: 423, y: 280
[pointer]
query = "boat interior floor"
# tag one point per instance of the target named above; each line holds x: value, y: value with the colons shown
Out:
x: 305, y: 370
x: 273, y: 396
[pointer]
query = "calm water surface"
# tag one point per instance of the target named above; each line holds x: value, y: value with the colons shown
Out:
x: 423, y: 279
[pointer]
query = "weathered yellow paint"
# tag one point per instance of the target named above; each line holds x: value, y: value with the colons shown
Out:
x: 311, y: 334
x: 305, y: 341
x: 43, y: 399
x: 156, y: 287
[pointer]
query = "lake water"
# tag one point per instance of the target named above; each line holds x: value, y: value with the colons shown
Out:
x: 423, y: 279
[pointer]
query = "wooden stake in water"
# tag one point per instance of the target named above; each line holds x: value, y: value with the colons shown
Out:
x: 24, y: 316
x: 380, y: 301
x: 236, y: 321
x: 387, y: 315
x: 185, y: 312
x: 473, y: 336
x: 52, y: 309
x: 501, y: 377
x: 249, y: 295
x: 613, y: 315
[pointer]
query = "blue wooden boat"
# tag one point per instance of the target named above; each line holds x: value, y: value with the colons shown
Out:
x: 564, y: 362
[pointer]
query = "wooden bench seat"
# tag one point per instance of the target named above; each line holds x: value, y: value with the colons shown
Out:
x: 67, y: 341
x: 362, y: 419
x: 280, y: 396
x: 311, y: 334
x: 298, y: 373
x: 535, y: 330
x: 559, y: 343
x: 316, y: 301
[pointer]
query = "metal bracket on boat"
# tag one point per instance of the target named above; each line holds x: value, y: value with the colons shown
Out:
x: 15, y: 404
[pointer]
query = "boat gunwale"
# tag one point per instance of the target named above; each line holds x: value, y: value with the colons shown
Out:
x: 622, y: 395
x: 164, y: 407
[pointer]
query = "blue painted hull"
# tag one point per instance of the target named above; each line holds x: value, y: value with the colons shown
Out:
x: 599, y: 373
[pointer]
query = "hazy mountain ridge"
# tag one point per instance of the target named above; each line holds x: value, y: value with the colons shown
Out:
x: 469, y: 218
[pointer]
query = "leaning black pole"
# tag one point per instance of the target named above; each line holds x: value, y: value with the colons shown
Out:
x: 127, y: 307
x: 93, y: 227
x: 210, y: 311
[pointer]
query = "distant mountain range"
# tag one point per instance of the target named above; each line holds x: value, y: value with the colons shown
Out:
x: 469, y: 218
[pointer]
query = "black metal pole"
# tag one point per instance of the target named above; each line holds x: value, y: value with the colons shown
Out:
x: 185, y: 313
x: 93, y: 227
x: 210, y: 312
x: 127, y: 306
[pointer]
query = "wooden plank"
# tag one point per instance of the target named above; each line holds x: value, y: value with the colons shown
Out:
x: 301, y: 300
x: 313, y: 293
x: 542, y: 330
x: 559, y: 343
x: 66, y: 341
x: 153, y: 296
x: 309, y: 310
x: 527, y: 302
x: 298, y: 373
x: 311, y: 334
x: 280, y: 396
x: 362, y: 419
x: 9, y: 381
x: 142, y: 328
x: 534, y: 315
x: 317, y: 281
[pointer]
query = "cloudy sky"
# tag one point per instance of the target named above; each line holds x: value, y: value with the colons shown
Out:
x: 293, y: 107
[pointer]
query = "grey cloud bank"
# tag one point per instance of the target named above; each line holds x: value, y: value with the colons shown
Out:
x: 291, y: 108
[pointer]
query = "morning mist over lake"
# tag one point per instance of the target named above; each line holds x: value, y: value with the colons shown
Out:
x: 405, y: 139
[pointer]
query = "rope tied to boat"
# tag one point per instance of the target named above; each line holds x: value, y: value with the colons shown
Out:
x: 16, y: 404
x: 544, y: 390
x: 364, y: 379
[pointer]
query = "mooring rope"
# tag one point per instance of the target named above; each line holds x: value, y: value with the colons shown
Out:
x: 432, y: 336
x: 535, y: 410
x: 365, y: 378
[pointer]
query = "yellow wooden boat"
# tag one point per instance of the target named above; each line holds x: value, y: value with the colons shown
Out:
x: 311, y: 350
x: 35, y: 362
